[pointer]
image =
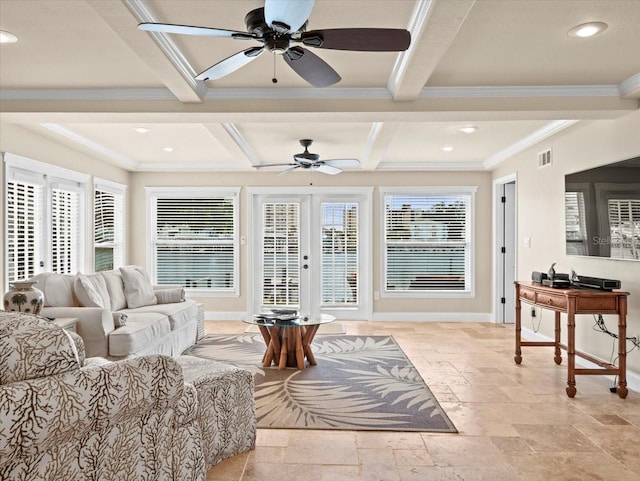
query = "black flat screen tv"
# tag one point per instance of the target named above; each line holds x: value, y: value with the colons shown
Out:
x: 602, y: 211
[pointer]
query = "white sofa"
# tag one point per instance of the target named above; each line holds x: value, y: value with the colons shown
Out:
x: 120, y: 314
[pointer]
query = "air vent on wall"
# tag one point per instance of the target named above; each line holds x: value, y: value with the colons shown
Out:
x: 544, y: 158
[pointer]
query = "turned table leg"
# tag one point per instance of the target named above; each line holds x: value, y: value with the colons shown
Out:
x: 557, y: 357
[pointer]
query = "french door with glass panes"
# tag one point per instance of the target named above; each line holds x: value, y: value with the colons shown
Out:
x: 311, y: 251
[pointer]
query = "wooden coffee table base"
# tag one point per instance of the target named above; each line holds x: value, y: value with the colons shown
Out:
x: 288, y: 346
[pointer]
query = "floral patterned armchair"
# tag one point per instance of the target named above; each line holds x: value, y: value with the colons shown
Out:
x: 61, y: 420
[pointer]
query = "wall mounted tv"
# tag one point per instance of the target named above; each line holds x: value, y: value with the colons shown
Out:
x: 602, y: 211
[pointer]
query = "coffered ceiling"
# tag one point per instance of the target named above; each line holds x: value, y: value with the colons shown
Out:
x: 83, y: 75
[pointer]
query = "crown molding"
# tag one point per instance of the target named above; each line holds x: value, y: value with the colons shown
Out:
x: 121, y: 159
x: 422, y: 166
x: 522, y: 91
x: 539, y: 135
x: 86, y: 94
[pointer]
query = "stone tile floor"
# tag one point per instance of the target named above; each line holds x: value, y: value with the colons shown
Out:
x: 515, y: 423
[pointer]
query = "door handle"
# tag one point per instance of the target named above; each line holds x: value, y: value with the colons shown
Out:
x: 305, y: 266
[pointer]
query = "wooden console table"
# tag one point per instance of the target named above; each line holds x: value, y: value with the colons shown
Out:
x: 576, y: 301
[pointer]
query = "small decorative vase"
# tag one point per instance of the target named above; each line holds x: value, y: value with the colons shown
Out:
x: 23, y: 297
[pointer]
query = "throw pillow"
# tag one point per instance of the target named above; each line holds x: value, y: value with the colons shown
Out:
x: 119, y: 319
x: 91, y: 291
x: 137, y: 287
x: 169, y: 296
x: 115, y: 287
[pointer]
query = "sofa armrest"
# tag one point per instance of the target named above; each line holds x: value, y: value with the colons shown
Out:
x: 94, y: 325
x: 71, y: 405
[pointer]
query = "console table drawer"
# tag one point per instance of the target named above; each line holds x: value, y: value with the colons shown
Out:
x: 528, y: 295
x: 597, y: 304
x: 550, y: 300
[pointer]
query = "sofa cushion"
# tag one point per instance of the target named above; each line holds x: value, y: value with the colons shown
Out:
x: 57, y: 289
x: 178, y: 313
x: 91, y: 291
x: 32, y: 347
x: 141, y: 331
x: 167, y: 296
x: 137, y: 287
x: 115, y: 288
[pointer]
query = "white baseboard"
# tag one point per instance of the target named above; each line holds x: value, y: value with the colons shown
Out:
x: 633, y: 379
x: 433, y: 316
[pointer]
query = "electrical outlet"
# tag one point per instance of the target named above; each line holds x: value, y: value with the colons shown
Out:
x: 533, y: 312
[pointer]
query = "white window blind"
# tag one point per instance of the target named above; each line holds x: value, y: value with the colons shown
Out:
x: 24, y: 229
x: 624, y: 226
x: 339, y: 254
x: 108, y: 228
x: 427, y: 241
x: 195, y: 242
x: 281, y: 254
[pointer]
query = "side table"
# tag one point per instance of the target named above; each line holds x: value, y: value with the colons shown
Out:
x: 68, y: 323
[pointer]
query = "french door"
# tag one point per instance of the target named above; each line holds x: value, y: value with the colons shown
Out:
x: 310, y: 251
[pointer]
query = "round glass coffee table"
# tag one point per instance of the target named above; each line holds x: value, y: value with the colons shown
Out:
x: 288, y: 339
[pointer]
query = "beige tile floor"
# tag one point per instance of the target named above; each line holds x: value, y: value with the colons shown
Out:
x: 515, y: 423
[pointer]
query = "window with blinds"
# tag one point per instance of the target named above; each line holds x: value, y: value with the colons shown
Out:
x: 24, y: 229
x: 624, y: 226
x: 339, y: 254
x: 108, y: 228
x: 65, y: 217
x: 575, y: 223
x: 281, y: 254
x: 195, y: 242
x: 427, y: 242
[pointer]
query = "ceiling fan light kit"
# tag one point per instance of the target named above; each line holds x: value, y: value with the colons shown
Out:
x: 282, y: 23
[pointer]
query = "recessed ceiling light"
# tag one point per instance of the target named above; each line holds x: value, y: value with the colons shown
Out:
x: 447, y: 148
x: 587, y: 29
x: 468, y: 129
x: 6, y: 37
x: 168, y: 149
x: 141, y: 130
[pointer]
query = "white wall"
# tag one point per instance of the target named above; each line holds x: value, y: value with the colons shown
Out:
x: 541, y: 218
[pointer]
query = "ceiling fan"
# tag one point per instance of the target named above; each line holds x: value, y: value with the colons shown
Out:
x: 282, y: 23
x: 308, y: 160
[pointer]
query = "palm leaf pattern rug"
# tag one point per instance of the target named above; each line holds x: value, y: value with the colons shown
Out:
x: 360, y: 383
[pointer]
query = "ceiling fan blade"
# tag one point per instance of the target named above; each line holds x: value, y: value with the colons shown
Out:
x: 259, y: 166
x: 286, y: 171
x: 287, y: 15
x: 326, y: 169
x: 311, y: 67
x: 343, y: 163
x: 230, y: 64
x: 359, y: 39
x: 193, y: 30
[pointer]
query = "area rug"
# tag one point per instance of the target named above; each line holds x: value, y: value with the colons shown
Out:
x: 359, y: 383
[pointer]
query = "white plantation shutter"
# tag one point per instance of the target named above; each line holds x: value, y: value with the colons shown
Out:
x: 24, y: 229
x: 339, y: 254
x: 108, y: 228
x: 427, y: 241
x: 195, y: 241
x: 65, y: 230
x: 575, y: 225
x: 281, y: 254
x: 624, y: 226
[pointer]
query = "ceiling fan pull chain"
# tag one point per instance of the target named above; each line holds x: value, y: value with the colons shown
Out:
x: 274, y: 79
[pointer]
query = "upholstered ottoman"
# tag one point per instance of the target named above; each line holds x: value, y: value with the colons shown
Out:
x: 226, y: 408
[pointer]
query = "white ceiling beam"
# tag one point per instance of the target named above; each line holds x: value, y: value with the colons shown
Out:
x: 630, y: 88
x: 380, y: 137
x: 434, y: 25
x: 158, y: 51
